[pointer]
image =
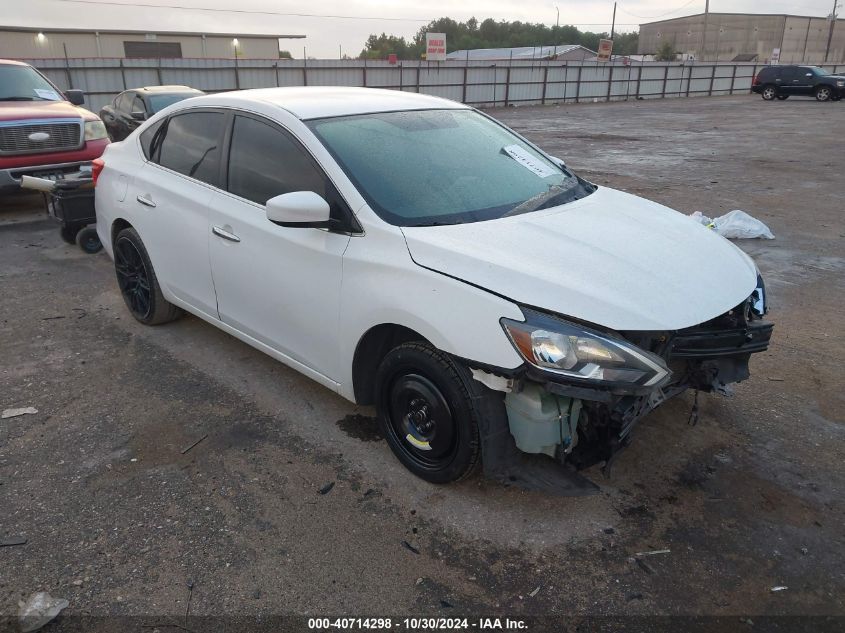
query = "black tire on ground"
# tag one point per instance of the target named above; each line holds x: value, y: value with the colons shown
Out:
x: 823, y: 93
x: 429, y: 411
x: 769, y: 92
x: 783, y: 97
x: 68, y: 233
x: 88, y: 240
x: 137, y: 281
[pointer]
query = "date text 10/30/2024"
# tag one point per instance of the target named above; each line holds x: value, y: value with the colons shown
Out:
x: 417, y: 624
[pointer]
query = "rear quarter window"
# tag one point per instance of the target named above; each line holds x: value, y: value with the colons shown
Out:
x: 149, y: 142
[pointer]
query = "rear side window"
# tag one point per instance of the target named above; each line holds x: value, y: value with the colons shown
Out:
x: 265, y: 162
x: 150, y: 140
x: 191, y: 145
x: 770, y: 74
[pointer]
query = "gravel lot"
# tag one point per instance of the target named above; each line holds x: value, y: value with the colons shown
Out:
x: 119, y: 519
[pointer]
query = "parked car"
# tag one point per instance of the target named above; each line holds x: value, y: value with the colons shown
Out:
x: 413, y: 253
x: 43, y: 131
x: 782, y: 82
x: 132, y: 107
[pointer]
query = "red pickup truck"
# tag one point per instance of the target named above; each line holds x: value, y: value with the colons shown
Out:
x: 43, y: 131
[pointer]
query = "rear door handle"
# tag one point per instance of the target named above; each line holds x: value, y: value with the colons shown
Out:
x: 226, y: 235
x: 146, y: 201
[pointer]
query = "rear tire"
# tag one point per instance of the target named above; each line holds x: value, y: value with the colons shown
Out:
x: 823, y: 93
x: 138, y: 283
x: 429, y: 410
x: 768, y: 93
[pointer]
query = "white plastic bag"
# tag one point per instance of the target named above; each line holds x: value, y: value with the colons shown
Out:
x: 39, y: 610
x: 735, y: 225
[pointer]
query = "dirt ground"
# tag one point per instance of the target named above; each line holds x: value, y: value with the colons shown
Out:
x: 121, y: 520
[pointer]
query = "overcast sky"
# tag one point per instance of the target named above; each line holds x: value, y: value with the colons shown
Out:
x: 324, y: 35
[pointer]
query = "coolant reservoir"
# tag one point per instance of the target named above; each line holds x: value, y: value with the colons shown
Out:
x: 540, y: 421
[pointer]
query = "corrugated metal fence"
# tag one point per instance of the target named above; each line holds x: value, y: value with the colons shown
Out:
x: 477, y: 83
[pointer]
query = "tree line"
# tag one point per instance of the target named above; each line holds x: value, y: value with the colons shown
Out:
x: 491, y: 34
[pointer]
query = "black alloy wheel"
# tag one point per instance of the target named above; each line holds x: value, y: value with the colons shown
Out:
x: 133, y: 278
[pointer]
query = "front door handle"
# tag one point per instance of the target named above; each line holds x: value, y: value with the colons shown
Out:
x: 146, y: 201
x: 226, y: 235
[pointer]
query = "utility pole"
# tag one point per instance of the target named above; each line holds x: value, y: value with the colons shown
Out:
x: 557, y: 20
x: 832, y: 18
x: 704, y: 32
x: 613, y: 24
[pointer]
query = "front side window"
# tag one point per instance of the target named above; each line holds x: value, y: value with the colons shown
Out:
x: 124, y: 101
x: 191, y: 145
x: 265, y: 162
x: 418, y: 168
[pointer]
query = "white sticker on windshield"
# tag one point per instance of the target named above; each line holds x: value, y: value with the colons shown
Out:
x: 50, y: 95
x: 532, y: 164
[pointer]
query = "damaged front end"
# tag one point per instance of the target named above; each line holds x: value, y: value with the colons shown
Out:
x: 582, y: 390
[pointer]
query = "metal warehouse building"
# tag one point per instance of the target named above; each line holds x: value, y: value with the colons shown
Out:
x: 747, y: 37
x: 28, y: 43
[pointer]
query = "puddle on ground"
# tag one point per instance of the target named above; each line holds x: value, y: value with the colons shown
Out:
x: 361, y: 427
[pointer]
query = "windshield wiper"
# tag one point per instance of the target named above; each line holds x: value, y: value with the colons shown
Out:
x: 22, y: 99
x: 538, y: 201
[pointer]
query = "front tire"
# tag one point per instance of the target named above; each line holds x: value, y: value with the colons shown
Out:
x: 428, y: 410
x: 137, y: 281
x: 769, y: 93
x: 823, y: 93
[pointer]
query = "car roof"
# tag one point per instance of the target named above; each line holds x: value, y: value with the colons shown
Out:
x: 330, y: 101
x: 174, y: 88
x: 12, y: 62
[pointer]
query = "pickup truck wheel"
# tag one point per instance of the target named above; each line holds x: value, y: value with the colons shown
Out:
x: 769, y: 93
x: 823, y: 93
x: 138, y: 283
x: 428, y: 412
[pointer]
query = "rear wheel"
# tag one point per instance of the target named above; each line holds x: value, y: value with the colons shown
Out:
x: 138, y: 283
x: 769, y: 93
x: 428, y: 409
x: 783, y: 97
x: 823, y: 93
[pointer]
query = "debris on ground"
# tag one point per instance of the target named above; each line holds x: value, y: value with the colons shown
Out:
x: 13, y: 413
x: 13, y: 540
x: 535, y: 592
x: 187, y: 448
x: 327, y: 488
x: 644, y: 566
x: 410, y: 547
x: 779, y: 588
x: 38, y: 610
x: 445, y: 604
x: 805, y: 551
x: 653, y: 552
x: 735, y: 224
x: 634, y: 596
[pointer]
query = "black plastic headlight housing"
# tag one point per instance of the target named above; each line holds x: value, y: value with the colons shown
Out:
x: 583, y: 354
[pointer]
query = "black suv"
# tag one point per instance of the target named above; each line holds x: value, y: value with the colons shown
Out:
x: 782, y: 82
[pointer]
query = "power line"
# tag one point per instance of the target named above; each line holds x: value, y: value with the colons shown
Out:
x: 652, y: 17
x: 242, y: 11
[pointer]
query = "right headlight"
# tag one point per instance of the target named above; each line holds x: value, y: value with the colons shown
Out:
x: 583, y: 354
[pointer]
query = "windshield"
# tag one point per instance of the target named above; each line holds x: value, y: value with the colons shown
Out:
x: 159, y: 102
x: 23, y: 83
x: 819, y: 71
x: 428, y: 167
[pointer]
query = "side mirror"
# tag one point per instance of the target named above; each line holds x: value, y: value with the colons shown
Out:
x: 299, y: 209
x: 139, y: 116
x: 76, y: 97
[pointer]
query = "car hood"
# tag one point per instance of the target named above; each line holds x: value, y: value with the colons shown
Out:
x: 612, y: 259
x: 18, y: 110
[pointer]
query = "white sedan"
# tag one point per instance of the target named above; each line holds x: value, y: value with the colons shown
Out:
x: 413, y: 253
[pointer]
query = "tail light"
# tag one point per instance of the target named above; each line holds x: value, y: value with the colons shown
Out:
x: 756, y: 81
x: 96, y: 168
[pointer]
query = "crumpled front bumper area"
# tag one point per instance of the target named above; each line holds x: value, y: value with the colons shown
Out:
x: 579, y: 426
